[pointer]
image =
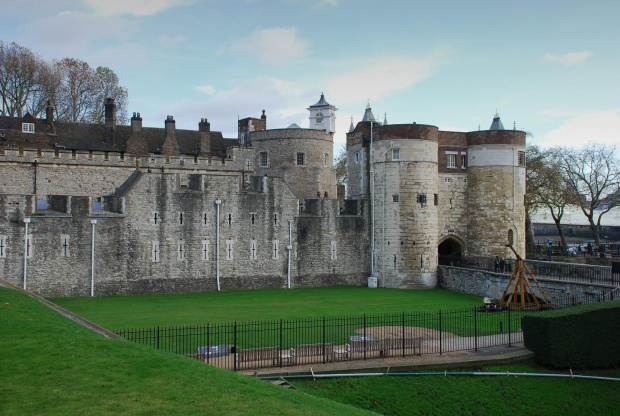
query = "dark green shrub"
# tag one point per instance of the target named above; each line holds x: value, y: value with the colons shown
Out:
x: 586, y: 336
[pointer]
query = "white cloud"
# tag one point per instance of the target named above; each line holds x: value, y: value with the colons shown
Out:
x: 558, y: 113
x: 568, y: 58
x: 171, y: 40
x: 276, y: 45
x: 593, y: 126
x: 133, y: 7
x: 207, y: 89
x: 70, y: 33
x: 388, y: 75
x: 283, y: 101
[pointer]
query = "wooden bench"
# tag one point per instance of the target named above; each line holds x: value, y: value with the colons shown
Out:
x: 308, y: 350
x: 369, y: 345
x: 397, y: 344
x: 259, y: 354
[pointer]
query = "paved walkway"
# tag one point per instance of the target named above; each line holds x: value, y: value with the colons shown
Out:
x: 429, y: 362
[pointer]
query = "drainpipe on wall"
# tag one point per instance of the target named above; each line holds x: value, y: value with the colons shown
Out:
x: 92, y: 261
x: 218, y: 202
x: 26, y: 222
x: 289, y: 248
x: 384, y: 257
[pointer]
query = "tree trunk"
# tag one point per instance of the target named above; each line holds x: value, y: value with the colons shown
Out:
x: 530, y: 243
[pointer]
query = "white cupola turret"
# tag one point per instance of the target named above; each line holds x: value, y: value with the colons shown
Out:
x: 323, y: 116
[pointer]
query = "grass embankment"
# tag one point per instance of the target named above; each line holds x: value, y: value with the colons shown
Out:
x: 469, y: 395
x: 118, y: 312
x: 51, y: 365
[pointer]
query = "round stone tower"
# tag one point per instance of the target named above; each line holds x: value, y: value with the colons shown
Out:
x: 495, y: 191
x: 404, y: 168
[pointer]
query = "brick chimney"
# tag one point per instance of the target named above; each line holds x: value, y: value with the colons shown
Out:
x: 170, y: 146
x: 136, y: 144
x: 204, y: 127
x: 49, y: 116
x: 110, y: 121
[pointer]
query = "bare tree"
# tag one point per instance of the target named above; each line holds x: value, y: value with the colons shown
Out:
x: 107, y: 86
x: 534, y: 182
x: 21, y: 72
x: 76, y: 96
x: 592, y: 174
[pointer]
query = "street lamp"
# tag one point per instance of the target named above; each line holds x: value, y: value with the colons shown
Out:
x: 26, y: 222
x: 218, y: 202
x: 92, y: 261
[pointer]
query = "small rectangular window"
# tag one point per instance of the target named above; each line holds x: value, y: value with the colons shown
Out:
x: 396, y: 154
x: 64, y: 245
x: 181, y: 250
x: 27, y: 127
x: 421, y: 198
x: 2, y: 246
x: 301, y: 159
x: 521, y: 158
x: 205, y: 250
x: 463, y: 160
x: 436, y: 199
x: 447, y: 180
x: 326, y: 159
x: 451, y: 161
x: 357, y: 157
x: 155, y: 254
x: 395, y: 198
x: 263, y: 160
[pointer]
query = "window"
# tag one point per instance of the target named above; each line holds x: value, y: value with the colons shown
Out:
x: 395, y: 198
x: 357, y: 157
x: 333, y: 251
x: 64, y: 245
x: 451, y: 160
x: 463, y: 160
x: 263, y: 160
x: 253, y: 249
x: 319, y: 118
x: 155, y: 251
x: 301, y: 159
x: 229, y: 249
x: 326, y: 159
x: 2, y: 246
x: 27, y: 127
x: 447, y: 180
x: 521, y: 158
x: 396, y: 154
x: 275, y: 249
x: 205, y: 250
x: 421, y: 198
x: 181, y: 250
x: 436, y: 199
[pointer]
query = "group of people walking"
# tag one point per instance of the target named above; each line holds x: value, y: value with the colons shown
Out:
x: 501, y: 266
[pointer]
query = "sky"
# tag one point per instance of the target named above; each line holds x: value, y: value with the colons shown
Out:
x: 550, y: 68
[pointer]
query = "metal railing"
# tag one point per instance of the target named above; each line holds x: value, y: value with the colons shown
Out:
x: 565, y: 272
x: 251, y: 345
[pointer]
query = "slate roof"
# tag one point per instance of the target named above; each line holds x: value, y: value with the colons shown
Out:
x: 497, y: 123
x: 321, y: 102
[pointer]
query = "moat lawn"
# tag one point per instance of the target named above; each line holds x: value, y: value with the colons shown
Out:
x: 118, y: 312
x: 51, y: 365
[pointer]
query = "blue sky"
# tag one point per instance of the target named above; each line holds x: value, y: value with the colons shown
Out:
x: 552, y: 67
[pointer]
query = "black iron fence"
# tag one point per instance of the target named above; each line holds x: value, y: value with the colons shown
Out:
x: 565, y: 272
x: 251, y: 345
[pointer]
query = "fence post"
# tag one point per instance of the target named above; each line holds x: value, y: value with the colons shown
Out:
x: 364, y: 336
x: 208, y: 340
x: 509, y: 330
x: 280, y: 342
x: 157, y: 336
x: 476, y: 329
x: 236, y: 347
x: 404, y: 336
x: 440, y: 333
x: 323, y: 340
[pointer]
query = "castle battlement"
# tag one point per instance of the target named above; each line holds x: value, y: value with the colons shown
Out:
x: 237, y: 159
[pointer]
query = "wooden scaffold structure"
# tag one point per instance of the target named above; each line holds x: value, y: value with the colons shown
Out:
x: 519, y: 293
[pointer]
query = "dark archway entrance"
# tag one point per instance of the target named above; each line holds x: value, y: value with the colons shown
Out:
x: 450, y: 251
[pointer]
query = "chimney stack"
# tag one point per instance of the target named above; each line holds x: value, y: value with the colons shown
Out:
x: 110, y: 121
x: 204, y: 127
x: 136, y: 144
x: 170, y: 146
x: 136, y: 123
x: 49, y: 116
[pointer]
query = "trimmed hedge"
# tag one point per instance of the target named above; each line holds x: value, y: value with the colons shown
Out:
x: 585, y: 336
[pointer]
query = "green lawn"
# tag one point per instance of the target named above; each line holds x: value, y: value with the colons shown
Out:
x: 50, y: 365
x: 117, y: 312
x: 468, y: 395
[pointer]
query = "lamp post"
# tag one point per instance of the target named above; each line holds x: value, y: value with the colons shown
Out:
x: 26, y: 222
x: 218, y: 202
x: 372, y: 206
x: 92, y: 261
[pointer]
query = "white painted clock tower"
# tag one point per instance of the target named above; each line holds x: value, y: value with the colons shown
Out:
x: 323, y: 116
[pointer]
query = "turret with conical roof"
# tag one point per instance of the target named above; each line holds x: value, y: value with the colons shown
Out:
x: 497, y: 123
